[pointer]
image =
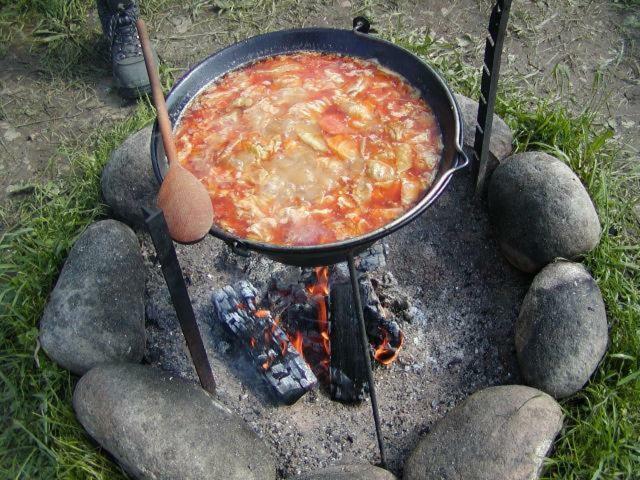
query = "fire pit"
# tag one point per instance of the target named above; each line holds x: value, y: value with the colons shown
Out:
x: 302, y: 330
x: 272, y: 349
x: 443, y: 308
x: 454, y: 297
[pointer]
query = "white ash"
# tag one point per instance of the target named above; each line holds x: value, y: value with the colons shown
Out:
x: 462, y: 300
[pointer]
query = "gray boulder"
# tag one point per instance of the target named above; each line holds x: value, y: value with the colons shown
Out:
x: 497, y: 433
x: 540, y: 211
x: 161, y: 427
x: 348, y: 472
x: 561, y: 333
x: 96, y: 310
x: 128, y: 182
x: 501, y: 144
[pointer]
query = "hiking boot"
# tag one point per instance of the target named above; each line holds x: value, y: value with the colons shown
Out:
x: 118, y: 18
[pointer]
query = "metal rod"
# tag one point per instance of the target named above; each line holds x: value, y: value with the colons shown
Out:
x: 172, y: 272
x: 355, y: 286
x: 489, y: 86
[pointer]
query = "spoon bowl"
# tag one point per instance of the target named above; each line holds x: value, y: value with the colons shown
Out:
x: 183, y: 199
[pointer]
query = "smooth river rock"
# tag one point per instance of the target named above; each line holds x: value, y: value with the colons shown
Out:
x: 561, y: 333
x: 96, y: 310
x: 540, y: 211
x: 348, y: 472
x: 497, y: 433
x: 501, y: 144
x: 160, y: 427
x: 128, y: 182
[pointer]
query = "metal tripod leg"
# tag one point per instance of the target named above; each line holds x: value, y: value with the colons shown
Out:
x: 489, y: 87
x: 179, y: 296
x: 355, y: 286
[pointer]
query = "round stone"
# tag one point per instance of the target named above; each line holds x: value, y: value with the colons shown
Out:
x: 561, y: 333
x: 499, y: 432
x: 128, y: 182
x: 501, y: 144
x: 161, y: 427
x: 348, y: 472
x: 540, y: 211
x: 96, y: 310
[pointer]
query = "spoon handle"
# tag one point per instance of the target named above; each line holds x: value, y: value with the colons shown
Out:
x: 158, y: 96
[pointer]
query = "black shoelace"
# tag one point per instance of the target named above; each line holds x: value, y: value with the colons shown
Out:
x: 123, y: 33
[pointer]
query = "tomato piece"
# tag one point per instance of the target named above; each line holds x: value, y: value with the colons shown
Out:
x: 383, y: 195
x: 334, y: 122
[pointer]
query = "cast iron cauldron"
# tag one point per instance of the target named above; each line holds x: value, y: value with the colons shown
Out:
x: 356, y: 43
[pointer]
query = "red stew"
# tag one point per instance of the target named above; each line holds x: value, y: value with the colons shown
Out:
x: 309, y: 148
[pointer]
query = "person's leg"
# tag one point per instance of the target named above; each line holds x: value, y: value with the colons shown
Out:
x: 118, y: 24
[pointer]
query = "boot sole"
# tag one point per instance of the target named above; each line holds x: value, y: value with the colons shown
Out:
x: 133, y: 93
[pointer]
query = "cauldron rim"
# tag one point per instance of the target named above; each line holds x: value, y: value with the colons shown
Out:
x: 327, y: 253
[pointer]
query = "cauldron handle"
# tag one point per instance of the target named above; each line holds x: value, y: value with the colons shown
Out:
x: 239, y: 249
x: 362, y: 25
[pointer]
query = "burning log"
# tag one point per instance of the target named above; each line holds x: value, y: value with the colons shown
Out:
x: 383, y: 331
x: 301, y: 304
x: 269, y: 347
x: 348, y: 371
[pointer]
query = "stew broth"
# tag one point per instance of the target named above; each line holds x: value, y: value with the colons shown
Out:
x: 309, y: 148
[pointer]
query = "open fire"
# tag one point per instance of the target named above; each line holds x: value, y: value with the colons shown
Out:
x: 305, y: 331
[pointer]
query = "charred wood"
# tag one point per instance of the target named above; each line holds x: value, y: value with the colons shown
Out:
x: 348, y: 371
x: 383, y: 331
x: 373, y: 258
x: 268, y: 346
x: 348, y: 374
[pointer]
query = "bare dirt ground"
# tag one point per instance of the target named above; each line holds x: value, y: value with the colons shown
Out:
x: 576, y: 51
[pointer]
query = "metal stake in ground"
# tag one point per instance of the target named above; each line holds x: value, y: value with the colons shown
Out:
x: 489, y: 86
x: 355, y: 286
x: 179, y: 296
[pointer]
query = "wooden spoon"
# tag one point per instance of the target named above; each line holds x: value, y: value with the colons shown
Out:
x: 183, y: 199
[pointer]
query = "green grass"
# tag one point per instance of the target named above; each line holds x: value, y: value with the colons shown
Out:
x: 60, y: 26
x: 69, y: 30
x: 601, y: 437
x: 627, y: 3
x: 39, y: 436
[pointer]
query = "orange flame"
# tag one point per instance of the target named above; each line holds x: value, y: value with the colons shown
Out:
x: 385, y: 353
x: 296, y: 341
x: 319, y: 292
x: 321, y: 287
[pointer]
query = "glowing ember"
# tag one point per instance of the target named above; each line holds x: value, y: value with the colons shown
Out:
x: 312, y: 340
x: 385, y: 353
